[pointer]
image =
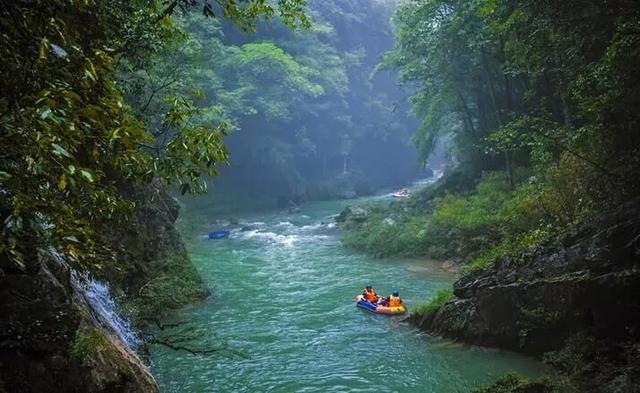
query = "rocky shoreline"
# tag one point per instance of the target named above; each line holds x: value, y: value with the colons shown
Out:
x: 584, y: 285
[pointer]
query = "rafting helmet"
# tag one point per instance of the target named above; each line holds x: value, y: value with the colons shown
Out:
x: 369, y: 286
x: 395, y: 292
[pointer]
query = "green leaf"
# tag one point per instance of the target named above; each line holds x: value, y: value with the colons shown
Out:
x: 44, y: 112
x: 62, y: 182
x: 87, y: 175
x: 60, y: 151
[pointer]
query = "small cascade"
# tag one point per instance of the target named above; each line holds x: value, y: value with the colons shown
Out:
x: 105, y: 309
x: 97, y: 295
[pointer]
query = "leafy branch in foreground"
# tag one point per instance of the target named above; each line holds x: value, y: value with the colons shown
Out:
x: 73, y: 151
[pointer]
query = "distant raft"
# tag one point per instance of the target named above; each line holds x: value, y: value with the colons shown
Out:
x: 404, y: 193
x: 378, y: 309
x: 218, y: 234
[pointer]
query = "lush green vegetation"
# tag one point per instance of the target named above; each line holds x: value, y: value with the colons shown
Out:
x: 106, y: 103
x: 538, y: 105
x: 533, y: 102
x: 73, y: 148
x: 489, y: 221
x: 176, y: 283
x: 310, y: 116
x: 87, y: 343
x: 439, y: 300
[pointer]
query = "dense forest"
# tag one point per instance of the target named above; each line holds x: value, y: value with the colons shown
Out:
x: 306, y: 110
x: 112, y: 111
x: 535, y: 100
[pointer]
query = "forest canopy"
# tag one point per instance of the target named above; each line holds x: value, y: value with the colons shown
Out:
x: 528, y: 84
x: 538, y: 101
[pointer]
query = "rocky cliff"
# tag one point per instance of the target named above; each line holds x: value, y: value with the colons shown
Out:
x: 52, y: 341
x: 51, y: 338
x: 585, y: 285
x: 154, y: 274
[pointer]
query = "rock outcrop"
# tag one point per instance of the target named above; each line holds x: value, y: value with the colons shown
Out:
x: 154, y: 273
x: 50, y: 337
x: 587, y: 282
x: 51, y: 342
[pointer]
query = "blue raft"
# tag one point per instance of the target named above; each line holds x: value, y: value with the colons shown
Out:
x: 218, y: 234
x: 367, y: 305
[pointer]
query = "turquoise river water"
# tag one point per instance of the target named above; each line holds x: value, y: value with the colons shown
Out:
x: 282, y: 311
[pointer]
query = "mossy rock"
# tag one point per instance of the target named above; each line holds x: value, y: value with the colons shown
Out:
x: 88, y: 342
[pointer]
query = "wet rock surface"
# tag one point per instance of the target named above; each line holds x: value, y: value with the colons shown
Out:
x: 586, y: 284
x: 588, y: 281
x: 42, y: 345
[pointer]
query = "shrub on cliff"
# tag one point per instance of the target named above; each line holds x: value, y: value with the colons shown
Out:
x: 433, y: 305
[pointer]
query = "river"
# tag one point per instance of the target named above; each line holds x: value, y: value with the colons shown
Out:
x: 282, y: 290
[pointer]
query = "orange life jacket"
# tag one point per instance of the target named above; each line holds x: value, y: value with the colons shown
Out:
x: 394, y: 301
x: 371, y: 296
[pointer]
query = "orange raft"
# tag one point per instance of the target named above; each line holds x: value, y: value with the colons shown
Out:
x: 379, y: 309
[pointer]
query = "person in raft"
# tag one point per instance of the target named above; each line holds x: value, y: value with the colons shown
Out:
x: 370, y: 294
x: 393, y: 300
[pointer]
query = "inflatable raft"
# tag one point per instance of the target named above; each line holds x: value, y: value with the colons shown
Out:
x: 379, y: 309
x: 218, y: 234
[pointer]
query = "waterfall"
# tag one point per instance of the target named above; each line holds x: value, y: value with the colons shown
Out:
x: 105, y: 309
x: 97, y: 295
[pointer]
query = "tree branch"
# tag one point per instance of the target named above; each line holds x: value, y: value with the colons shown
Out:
x: 167, y: 11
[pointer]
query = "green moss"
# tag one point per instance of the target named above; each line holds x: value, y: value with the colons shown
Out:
x: 441, y: 298
x: 87, y: 343
x: 175, y: 284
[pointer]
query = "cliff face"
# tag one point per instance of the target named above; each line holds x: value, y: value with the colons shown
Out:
x: 50, y: 337
x: 587, y: 284
x: 51, y: 342
x: 154, y: 273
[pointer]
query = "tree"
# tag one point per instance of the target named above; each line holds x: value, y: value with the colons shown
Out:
x: 71, y: 147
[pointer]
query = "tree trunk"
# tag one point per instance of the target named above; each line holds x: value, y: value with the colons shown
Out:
x: 509, y: 164
x: 492, y: 93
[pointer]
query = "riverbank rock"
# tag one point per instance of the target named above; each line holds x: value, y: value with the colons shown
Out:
x: 352, y: 213
x: 586, y: 283
x: 50, y: 342
x: 154, y: 273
